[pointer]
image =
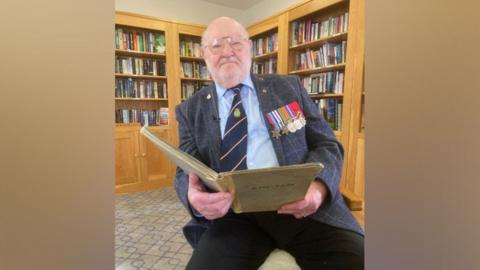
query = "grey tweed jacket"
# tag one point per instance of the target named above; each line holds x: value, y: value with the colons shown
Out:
x: 199, y: 132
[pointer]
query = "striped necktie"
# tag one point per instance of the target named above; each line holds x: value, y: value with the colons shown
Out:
x: 234, y: 143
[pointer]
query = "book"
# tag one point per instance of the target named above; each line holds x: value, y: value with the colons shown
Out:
x: 159, y: 43
x: 253, y: 190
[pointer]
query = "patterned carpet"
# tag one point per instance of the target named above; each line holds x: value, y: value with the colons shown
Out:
x: 148, y: 231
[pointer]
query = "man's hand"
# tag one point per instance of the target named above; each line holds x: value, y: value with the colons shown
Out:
x: 316, y: 194
x: 210, y: 205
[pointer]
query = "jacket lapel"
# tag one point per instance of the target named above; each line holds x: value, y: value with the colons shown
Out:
x: 213, y: 124
x: 266, y: 99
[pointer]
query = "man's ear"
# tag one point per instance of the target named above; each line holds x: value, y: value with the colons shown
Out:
x: 202, y: 52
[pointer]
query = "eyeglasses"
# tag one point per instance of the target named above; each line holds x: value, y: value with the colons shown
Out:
x: 218, y: 44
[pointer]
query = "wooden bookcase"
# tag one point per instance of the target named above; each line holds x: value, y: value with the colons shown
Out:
x: 193, y: 70
x: 265, y: 52
x: 350, y: 95
x: 136, y: 160
x: 355, y: 173
x: 138, y: 165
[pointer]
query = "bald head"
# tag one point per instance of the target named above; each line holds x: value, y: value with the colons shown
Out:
x: 224, y: 25
x: 226, y: 50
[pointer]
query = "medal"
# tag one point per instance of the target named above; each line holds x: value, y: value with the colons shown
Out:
x: 284, y: 130
x: 297, y: 124
x: 276, y: 133
x: 291, y: 126
x: 302, y: 121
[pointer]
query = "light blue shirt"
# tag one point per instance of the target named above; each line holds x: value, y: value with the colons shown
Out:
x: 260, y: 152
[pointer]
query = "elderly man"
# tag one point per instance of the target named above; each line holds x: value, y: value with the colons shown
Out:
x: 230, y: 126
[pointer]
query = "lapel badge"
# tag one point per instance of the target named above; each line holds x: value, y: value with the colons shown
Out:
x: 209, y: 96
x: 236, y: 113
x: 264, y: 90
x: 276, y: 133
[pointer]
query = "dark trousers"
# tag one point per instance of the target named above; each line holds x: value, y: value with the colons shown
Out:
x: 243, y: 241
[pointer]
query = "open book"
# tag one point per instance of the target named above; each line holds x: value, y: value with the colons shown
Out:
x: 253, y: 190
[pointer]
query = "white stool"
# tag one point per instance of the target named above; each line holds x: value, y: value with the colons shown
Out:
x: 279, y: 260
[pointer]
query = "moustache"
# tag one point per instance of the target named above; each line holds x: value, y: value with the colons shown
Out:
x: 229, y: 59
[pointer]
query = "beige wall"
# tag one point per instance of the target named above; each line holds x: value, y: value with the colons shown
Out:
x: 201, y: 12
x: 192, y: 11
x: 265, y: 9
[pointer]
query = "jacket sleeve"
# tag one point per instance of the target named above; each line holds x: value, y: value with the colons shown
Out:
x: 322, y: 144
x: 186, y: 144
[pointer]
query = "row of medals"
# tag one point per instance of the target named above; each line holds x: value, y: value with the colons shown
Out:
x: 292, y: 126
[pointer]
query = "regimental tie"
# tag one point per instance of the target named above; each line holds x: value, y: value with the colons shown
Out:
x: 233, y: 151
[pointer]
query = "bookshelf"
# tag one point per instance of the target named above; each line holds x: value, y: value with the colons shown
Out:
x: 329, y: 34
x: 140, y: 76
x: 193, y: 70
x: 264, y: 52
x: 317, y: 53
x: 142, y: 96
x: 269, y: 45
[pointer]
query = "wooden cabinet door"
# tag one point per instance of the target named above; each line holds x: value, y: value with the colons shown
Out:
x: 155, y: 166
x: 126, y: 158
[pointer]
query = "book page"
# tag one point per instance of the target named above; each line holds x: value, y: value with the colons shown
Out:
x: 183, y: 160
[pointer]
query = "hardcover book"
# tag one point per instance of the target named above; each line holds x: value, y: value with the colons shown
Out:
x: 253, y: 190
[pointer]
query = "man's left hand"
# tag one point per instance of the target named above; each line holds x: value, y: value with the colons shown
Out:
x: 316, y: 194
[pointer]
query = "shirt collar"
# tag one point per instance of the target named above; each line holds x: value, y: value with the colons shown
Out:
x: 246, y: 82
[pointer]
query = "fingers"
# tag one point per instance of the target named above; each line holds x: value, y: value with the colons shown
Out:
x: 309, y: 205
x: 213, y: 207
x: 194, y: 183
x: 299, y: 209
x: 210, y: 205
x: 217, y: 211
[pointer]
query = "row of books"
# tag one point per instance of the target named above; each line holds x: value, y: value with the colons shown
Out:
x: 194, y: 70
x: 265, y: 45
x: 325, y: 82
x: 331, y: 110
x: 266, y: 67
x: 189, y: 88
x: 143, y: 117
x: 135, y: 88
x: 309, y: 30
x: 328, y: 54
x: 190, y: 48
x: 141, y: 41
x: 139, y: 66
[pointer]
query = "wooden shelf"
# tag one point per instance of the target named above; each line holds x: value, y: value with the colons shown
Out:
x: 138, y: 125
x: 265, y: 56
x: 138, y: 53
x: 191, y: 58
x: 195, y: 79
x: 142, y: 99
x: 120, y: 75
x: 325, y: 95
x: 317, y: 70
x: 318, y: 42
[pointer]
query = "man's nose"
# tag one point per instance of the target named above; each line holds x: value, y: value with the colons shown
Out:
x: 227, y: 49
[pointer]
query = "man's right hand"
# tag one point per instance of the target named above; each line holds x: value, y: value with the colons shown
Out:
x: 210, y: 205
